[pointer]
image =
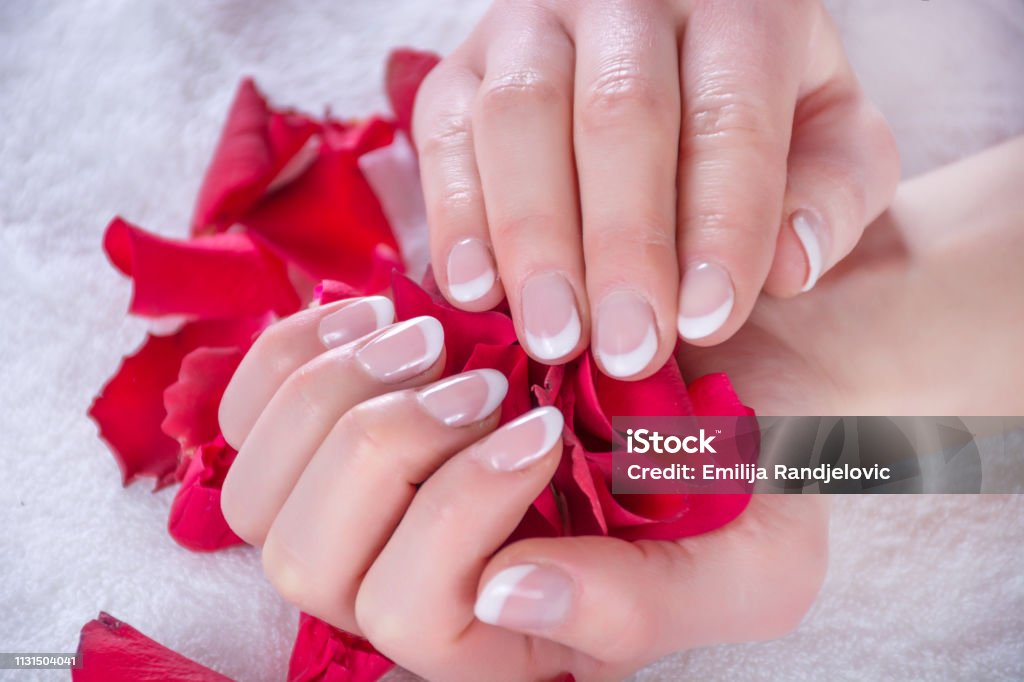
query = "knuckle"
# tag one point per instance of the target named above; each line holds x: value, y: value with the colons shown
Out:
x: 301, y: 388
x: 620, y: 95
x: 517, y: 91
x: 456, y: 203
x: 388, y: 628
x: 723, y: 112
x: 642, y: 239
x: 446, y: 135
x: 276, y: 345
x: 439, y: 510
x: 295, y: 584
x: 524, y: 228
x: 361, y: 433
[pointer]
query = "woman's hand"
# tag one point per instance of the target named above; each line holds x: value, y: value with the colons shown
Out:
x: 382, y: 499
x: 634, y: 168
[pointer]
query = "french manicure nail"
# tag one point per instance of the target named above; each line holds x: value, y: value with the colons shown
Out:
x: 526, y: 597
x: 403, y: 350
x: 625, y: 339
x: 810, y: 230
x: 550, y: 318
x: 464, y: 398
x: 471, y: 271
x: 522, y: 441
x: 355, y: 320
x: 706, y: 298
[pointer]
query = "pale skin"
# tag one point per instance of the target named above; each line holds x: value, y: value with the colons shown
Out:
x: 627, y: 171
x: 383, y: 509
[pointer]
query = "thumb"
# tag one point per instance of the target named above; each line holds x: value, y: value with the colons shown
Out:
x: 631, y: 602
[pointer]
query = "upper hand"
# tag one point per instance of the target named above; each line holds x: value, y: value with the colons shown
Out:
x: 637, y: 168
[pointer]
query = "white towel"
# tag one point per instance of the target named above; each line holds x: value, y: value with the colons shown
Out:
x: 113, y: 106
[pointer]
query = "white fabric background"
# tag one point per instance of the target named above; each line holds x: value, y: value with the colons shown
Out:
x: 113, y: 106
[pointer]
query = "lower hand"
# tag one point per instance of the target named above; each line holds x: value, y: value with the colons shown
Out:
x: 383, y: 498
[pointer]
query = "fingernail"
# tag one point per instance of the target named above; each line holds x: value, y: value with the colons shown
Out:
x: 810, y: 230
x: 550, y: 317
x: 465, y: 398
x: 526, y: 597
x: 705, y: 300
x: 522, y: 441
x: 403, y: 350
x: 470, y: 270
x: 625, y: 337
x: 355, y: 320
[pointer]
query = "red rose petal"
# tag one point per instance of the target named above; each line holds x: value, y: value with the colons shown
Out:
x: 219, y: 276
x: 196, y: 521
x: 256, y: 144
x: 463, y: 331
x: 574, y: 481
x: 599, y: 397
x: 405, y: 71
x: 542, y: 520
x: 329, y: 222
x: 322, y: 652
x: 713, y: 396
x: 193, y: 400
x: 130, y: 409
x: 112, y: 651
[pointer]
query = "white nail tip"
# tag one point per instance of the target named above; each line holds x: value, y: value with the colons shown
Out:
x: 496, y: 592
x: 812, y: 248
x: 628, y: 364
x: 383, y: 309
x: 497, y: 387
x: 433, y: 334
x: 705, y: 325
x: 466, y: 292
x: 553, y: 347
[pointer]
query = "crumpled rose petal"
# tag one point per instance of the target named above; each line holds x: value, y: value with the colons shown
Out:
x: 196, y: 521
x: 220, y: 276
x: 129, y: 409
x: 329, y: 222
x: 463, y: 331
x: 192, y: 401
x: 327, y: 654
x: 113, y: 651
x: 256, y: 145
x: 405, y: 71
x: 712, y: 395
x: 598, y: 396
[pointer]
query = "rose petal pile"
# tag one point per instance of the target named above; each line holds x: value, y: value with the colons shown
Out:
x: 285, y: 218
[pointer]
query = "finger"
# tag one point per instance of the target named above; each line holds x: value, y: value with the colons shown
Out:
x: 306, y: 407
x: 626, y: 128
x: 459, y: 517
x: 754, y: 579
x: 323, y: 539
x: 843, y: 172
x: 522, y: 125
x: 286, y: 346
x: 741, y: 64
x: 451, y: 187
